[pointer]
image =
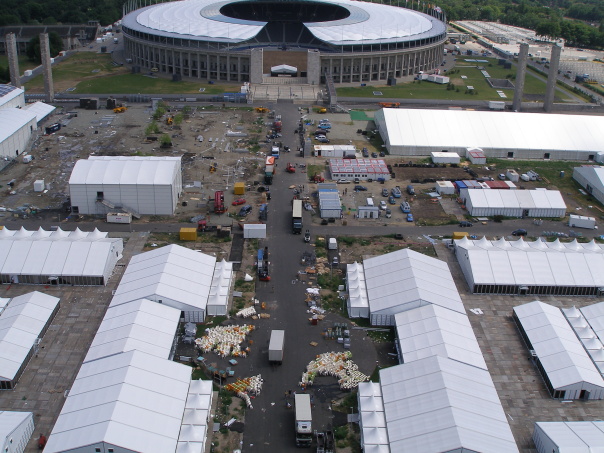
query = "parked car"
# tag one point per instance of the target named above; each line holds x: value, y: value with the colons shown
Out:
x: 383, y: 205
x: 359, y: 188
x: 382, y: 154
x: 238, y: 201
x: 245, y: 210
x: 374, y: 155
x: 410, y: 190
x: 365, y: 152
x: 321, y: 132
x: 391, y: 200
x: 335, y: 261
x: 409, y: 217
x: 405, y: 207
x: 322, y: 139
x: 343, y: 181
x: 519, y: 232
x: 465, y: 223
x: 396, y: 192
x: 388, y: 213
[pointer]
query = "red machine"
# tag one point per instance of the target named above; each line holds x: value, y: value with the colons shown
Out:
x: 219, y: 206
x: 290, y: 168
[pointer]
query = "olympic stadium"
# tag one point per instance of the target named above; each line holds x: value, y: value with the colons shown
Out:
x: 294, y: 41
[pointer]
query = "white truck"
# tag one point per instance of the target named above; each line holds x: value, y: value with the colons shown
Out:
x: 119, y: 217
x: 332, y: 244
x: 303, y: 420
x: 276, y: 346
x: 579, y: 221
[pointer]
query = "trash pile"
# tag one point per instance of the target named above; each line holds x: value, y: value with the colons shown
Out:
x: 313, y: 297
x: 246, y: 312
x: 337, y: 364
x: 246, y: 386
x: 224, y: 340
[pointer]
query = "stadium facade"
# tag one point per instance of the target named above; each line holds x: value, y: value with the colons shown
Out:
x: 263, y: 41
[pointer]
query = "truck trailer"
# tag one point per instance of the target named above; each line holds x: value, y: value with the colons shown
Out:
x: 303, y: 420
x: 297, y: 216
x: 269, y: 170
x: 579, y: 221
x: 276, y: 346
x: 219, y: 206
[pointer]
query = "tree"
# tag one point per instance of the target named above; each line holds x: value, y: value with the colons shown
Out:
x: 33, y: 47
x: 4, y: 75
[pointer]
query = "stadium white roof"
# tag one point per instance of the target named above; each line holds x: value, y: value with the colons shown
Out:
x: 432, y: 330
x: 515, y: 199
x: 436, y: 404
x: 538, y: 263
x: 132, y: 400
x: 142, y: 325
x: 40, y: 109
x: 56, y: 253
x: 12, y: 120
x: 173, y: 272
x: 405, y: 279
x: 367, y: 23
x: 558, y: 349
x: 421, y: 131
x: 21, y: 323
x: 574, y: 437
x: 124, y: 170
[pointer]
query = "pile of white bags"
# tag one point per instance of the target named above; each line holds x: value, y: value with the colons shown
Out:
x: 224, y: 340
x: 246, y: 312
x: 336, y: 364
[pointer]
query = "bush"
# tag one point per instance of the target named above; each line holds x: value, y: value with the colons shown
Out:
x: 498, y: 218
x: 165, y: 141
x: 340, y: 432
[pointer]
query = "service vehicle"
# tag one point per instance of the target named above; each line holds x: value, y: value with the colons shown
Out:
x: 303, y: 425
x: 297, y: 216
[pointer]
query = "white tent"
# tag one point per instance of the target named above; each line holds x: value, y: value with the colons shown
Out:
x: 141, y: 325
x: 591, y: 177
x: 358, y: 303
x: 181, y: 278
x: 130, y: 401
x: 405, y: 279
x: 524, y: 267
x: 567, y: 368
x: 569, y: 437
x: 433, y: 330
x: 514, y: 203
x: 498, y: 134
x: 23, y: 321
x: 437, y: 404
x: 58, y: 257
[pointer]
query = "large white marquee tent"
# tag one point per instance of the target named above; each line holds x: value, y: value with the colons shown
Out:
x: 419, y: 132
x: 565, y: 365
x: 514, y: 203
x: 58, y: 257
x: 531, y: 267
x: 591, y: 177
x: 388, y: 284
x: 569, y: 437
x: 192, y: 282
x: 23, y: 321
x: 140, y: 185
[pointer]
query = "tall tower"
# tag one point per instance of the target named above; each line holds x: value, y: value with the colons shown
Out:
x: 520, y: 75
x: 13, y: 60
x: 46, y: 67
x: 550, y: 89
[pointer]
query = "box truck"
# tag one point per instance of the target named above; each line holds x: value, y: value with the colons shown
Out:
x: 297, y: 216
x: 275, y: 346
x: 579, y: 221
x: 303, y: 420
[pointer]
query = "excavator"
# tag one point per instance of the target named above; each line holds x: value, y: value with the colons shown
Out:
x: 261, y: 110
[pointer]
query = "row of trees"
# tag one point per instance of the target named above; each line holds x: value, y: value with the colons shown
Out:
x: 50, y: 12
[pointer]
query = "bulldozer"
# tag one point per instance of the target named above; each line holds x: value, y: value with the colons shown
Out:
x: 119, y: 109
x: 261, y: 110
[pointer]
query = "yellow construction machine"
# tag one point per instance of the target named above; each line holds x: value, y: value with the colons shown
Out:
x: 119, y: 109
x: 261, y: 110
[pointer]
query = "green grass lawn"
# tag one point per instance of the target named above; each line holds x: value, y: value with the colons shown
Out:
x: 429, y: 90
x: 24, y: 63
x: 94, y: 73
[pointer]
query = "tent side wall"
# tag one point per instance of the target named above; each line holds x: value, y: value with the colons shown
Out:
x: 17, y: 143
x: 115, y: 255
x: 17, y: 440
x: 191, y: 314
x: 542, y: 441
x: 584, y: 182
x: 464, y: 262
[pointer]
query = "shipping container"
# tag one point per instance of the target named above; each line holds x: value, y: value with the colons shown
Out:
x: 188, y: 234
x: 119, y: 217
x: 276, y: 346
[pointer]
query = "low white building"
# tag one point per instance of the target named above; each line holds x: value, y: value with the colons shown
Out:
x: 363, y: 169
x: 17, y: 128
x: 439, y: 157
x: 368, y: 212
x: 23, y: 322
x: 566, y: 368
x: 138, y: 185
x: 338, y: 151
x: 569, y: 437
x: 192, y: 282
x: 16, y: 429
x: 591, y: 178
x: 330, y: 204
x: 11, y: 97
x: 514, y: 203
x: 476, y: 156
x: 445, y: 188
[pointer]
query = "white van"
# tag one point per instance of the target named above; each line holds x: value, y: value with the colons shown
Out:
x: 370, y: 202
